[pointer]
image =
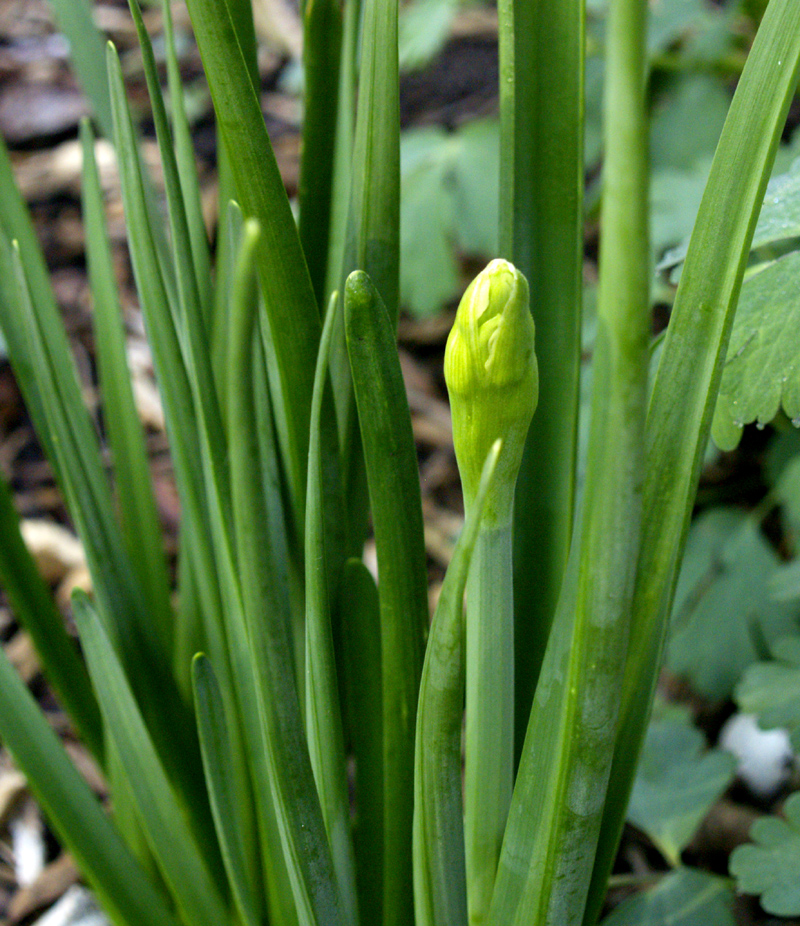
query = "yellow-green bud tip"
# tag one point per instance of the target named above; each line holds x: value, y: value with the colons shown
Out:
x: 492, y: 377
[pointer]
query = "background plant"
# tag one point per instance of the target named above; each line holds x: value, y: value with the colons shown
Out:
x: 274, y: 486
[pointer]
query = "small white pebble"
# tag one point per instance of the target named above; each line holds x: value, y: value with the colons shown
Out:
x: 765, y: 757
x: 27, y: 844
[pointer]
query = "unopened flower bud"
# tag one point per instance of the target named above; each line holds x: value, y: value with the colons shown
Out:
x: 492, y: 377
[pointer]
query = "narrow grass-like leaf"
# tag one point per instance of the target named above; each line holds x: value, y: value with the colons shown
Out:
x: 216, y: 746
x: 375, y: 206
x: 75, y: 21
x: 183, y: 860
x: 440, y: 888
x: 361, y: 648
x: 322, y: 48
x: 371, y: 239
x: 139, y: 644
x: 266, y: 605
x: 556, y: 812
x: 33, y: 607
x: 187, y: 170
x: 294, y: 322
x: 323, y: 717
x: 685, y: 389
x: 137, y: 507
x: 397, y: 517
x: 122, y: 887
x: 541, y: 206
x: 181, y: 414
x: 195, y: 340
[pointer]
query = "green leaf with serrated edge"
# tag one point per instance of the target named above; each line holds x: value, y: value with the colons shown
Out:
x: 676, y: 785
x: 780, y: 214
x: 397, y: 517
x: 440, y: 889
x: 181, y: 857
x: 771, y: 690
x: 123, y: 889
x: 134, y: 488
x: 294, y: 320
x: 685, y: 897
x: 771, y: 867
x: 762, y: 369
x: 723, y: 593
x: 215, y: 744
x: 778, y: 221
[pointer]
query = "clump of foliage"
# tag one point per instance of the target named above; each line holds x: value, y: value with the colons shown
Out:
x: 225, y: 721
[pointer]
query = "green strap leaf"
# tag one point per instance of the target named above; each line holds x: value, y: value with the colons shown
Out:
x: 293, y: 317
x: 270, y: 658
x: 541, y: 197
x: 182, y: 855
x: 397, y: 517
x: 215, y: 744
x: 138, y: 512
x: 361, y: 651
x: 322, y: 52
x: 323, y: 717
x: 121, y: 885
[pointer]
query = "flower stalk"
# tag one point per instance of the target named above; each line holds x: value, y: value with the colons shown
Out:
x: 492, y: 378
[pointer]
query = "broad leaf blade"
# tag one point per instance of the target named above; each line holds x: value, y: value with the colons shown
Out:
x: 723, y: 594
x: 677, y: 784
x: 683, y: 898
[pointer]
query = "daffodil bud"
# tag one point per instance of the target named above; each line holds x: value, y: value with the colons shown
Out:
x: 493, y: 380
